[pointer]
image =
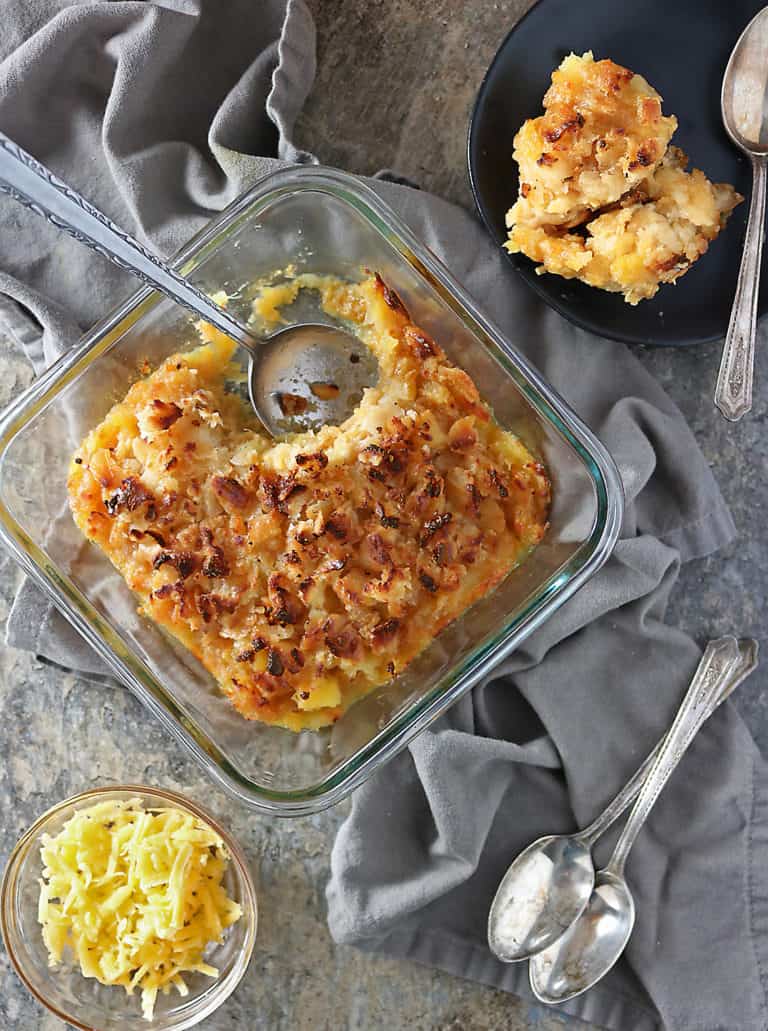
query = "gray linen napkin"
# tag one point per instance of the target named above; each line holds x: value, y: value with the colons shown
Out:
x: 162, y: 113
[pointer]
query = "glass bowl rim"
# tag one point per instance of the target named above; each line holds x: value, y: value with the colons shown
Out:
x: 220, y: 990
x: 544, y: 399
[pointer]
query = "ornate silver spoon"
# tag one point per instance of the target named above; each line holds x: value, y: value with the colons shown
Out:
x: 548, y: 885
x: 335, y: 366
x: 742, y: 102
x: 595, y: 940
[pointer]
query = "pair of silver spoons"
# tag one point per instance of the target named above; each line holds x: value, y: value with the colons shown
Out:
x: 551, y: 907
x: 282, y: 367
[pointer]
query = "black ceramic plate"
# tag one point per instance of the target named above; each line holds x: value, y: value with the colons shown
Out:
x: 681, y: 47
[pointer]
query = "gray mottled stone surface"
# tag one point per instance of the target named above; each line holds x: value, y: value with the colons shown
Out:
x: 395, y: 84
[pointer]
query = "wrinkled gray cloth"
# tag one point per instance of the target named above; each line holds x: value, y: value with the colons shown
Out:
x: 161, y: 114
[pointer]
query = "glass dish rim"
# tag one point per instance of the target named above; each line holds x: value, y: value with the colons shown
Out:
x: 547, y: 402
x: 249, y: 902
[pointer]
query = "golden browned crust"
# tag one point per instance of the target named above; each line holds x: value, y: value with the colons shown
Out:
x: 603, y: 198
x: 602, y: 133
x: 304, y: 573
x: 651, y: 236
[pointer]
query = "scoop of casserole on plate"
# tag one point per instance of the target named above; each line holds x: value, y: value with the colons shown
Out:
x: 603, y: 197
x: 601, y: 134
x: 305, y: 572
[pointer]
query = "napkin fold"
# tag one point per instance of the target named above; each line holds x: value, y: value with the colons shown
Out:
x: 161, y: 113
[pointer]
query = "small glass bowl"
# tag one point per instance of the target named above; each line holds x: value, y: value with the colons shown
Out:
x: 83, y: 1002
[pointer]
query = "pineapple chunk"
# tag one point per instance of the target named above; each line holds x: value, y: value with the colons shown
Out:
x: 325, y: 693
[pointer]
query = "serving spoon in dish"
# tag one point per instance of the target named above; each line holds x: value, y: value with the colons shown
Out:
x: 743, y: 105
x: 549, y: 884
x: 300, y: 377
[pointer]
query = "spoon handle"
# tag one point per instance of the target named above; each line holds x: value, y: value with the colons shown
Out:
x: 747, y: 662
x: 37, y: 188
x: 716, y: 666
x: 733, y: 393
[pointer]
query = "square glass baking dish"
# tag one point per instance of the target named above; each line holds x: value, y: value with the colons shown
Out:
x: 319, y: 221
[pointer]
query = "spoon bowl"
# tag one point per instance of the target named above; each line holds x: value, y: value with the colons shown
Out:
x: 542, y: 893
x: 745, y: 86
x: 307, y: 376
x: 590, y: 946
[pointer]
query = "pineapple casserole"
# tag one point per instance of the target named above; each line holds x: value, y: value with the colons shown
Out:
x: 603, y: 196
x: 305, y: 572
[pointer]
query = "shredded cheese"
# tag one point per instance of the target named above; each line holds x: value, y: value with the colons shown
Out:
x: 136, y: 895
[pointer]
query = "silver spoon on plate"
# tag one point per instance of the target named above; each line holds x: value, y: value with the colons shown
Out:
x: 282, y: 366
x: 550, y: 883
x: 596, y: 939
x: 743, y: 106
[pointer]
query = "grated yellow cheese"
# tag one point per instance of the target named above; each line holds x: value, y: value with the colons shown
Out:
x: 136, y: 895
